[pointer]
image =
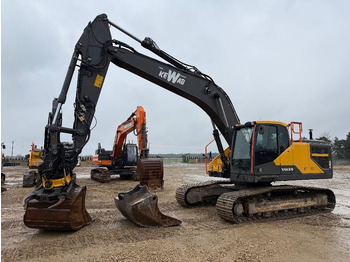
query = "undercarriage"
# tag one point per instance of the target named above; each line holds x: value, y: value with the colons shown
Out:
x: 244, y: 203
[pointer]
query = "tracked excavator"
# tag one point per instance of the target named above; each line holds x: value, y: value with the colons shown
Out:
x: 31, y: 176
x: 123, y: 158
x: 128, y: 159
x: 262, y: 152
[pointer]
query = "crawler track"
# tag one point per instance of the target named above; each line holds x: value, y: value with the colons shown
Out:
x: 192, y: 194
x: 272, y: 203
x: 101, y: 175
x: 242, y: 204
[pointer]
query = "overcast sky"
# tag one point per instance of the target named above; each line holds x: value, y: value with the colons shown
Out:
x: 277, y: 60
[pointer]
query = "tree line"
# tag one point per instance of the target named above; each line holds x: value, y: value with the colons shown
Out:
x: 340, y: 150
x: 340, y: 147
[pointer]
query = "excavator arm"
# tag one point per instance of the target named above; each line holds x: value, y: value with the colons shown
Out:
x: 90, y: 51
x: 95, y: 50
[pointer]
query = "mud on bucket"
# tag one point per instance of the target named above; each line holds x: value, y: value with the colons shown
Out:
x: 140, y: 206
x: 70, y: 215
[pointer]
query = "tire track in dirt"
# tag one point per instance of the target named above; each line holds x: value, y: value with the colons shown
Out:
x: 203, y: 236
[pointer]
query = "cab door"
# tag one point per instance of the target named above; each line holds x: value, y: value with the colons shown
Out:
x: 270, y: 141
x: 266, y: 146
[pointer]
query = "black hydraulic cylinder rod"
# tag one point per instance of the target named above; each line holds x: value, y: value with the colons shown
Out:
x: 218, y: 142
x: 149, y: 44
x: 221, y: 150
x: 124, y: 31
x: 63, y: 95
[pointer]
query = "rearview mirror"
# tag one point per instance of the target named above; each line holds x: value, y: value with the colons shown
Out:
x: 261, y: 130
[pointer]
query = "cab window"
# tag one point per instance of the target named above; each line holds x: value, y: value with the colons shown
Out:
x: 266, y: 146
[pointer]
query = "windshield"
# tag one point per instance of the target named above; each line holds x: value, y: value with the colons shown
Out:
x: 242, y: 149
x: 132, y: 153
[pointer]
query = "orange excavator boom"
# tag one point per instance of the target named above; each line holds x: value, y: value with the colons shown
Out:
x: 137, y: 122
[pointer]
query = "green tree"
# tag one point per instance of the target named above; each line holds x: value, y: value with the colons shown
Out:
x: 341, y: 147
x: 347, y: 147
x: 325, y: 136
x: 338, y: 149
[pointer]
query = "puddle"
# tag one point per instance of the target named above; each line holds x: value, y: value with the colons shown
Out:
x: 83, y: 176
x: 13, y: 208
x: 12, y: 184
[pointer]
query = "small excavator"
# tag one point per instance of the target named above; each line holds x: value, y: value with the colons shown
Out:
x: 262, y: 152
x: 124, y: 157
x: 31, y: 176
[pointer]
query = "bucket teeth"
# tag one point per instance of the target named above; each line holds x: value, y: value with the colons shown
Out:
x: 140, y: 206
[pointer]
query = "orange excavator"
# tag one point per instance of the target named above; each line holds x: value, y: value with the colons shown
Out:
x: 124, y: 157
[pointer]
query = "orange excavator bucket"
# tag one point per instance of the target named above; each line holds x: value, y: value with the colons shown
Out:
x: 140, y: 206
x: 100, y: 174
x: 68, y: 213
x: 151, y: 172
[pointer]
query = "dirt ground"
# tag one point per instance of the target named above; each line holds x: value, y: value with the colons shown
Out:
x: 203, y: 236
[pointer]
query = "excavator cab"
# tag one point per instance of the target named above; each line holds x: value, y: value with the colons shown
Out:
x: 130, y: 154
x: 264, y: 151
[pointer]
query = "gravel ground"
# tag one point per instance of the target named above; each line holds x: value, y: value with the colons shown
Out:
x: 203, y: 236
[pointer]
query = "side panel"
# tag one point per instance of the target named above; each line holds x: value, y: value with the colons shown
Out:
x: 299, y: 155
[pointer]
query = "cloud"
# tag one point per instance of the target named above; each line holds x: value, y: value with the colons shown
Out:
x: 277, y: 60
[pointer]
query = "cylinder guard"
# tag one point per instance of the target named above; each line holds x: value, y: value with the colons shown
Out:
x: 140, y: 206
